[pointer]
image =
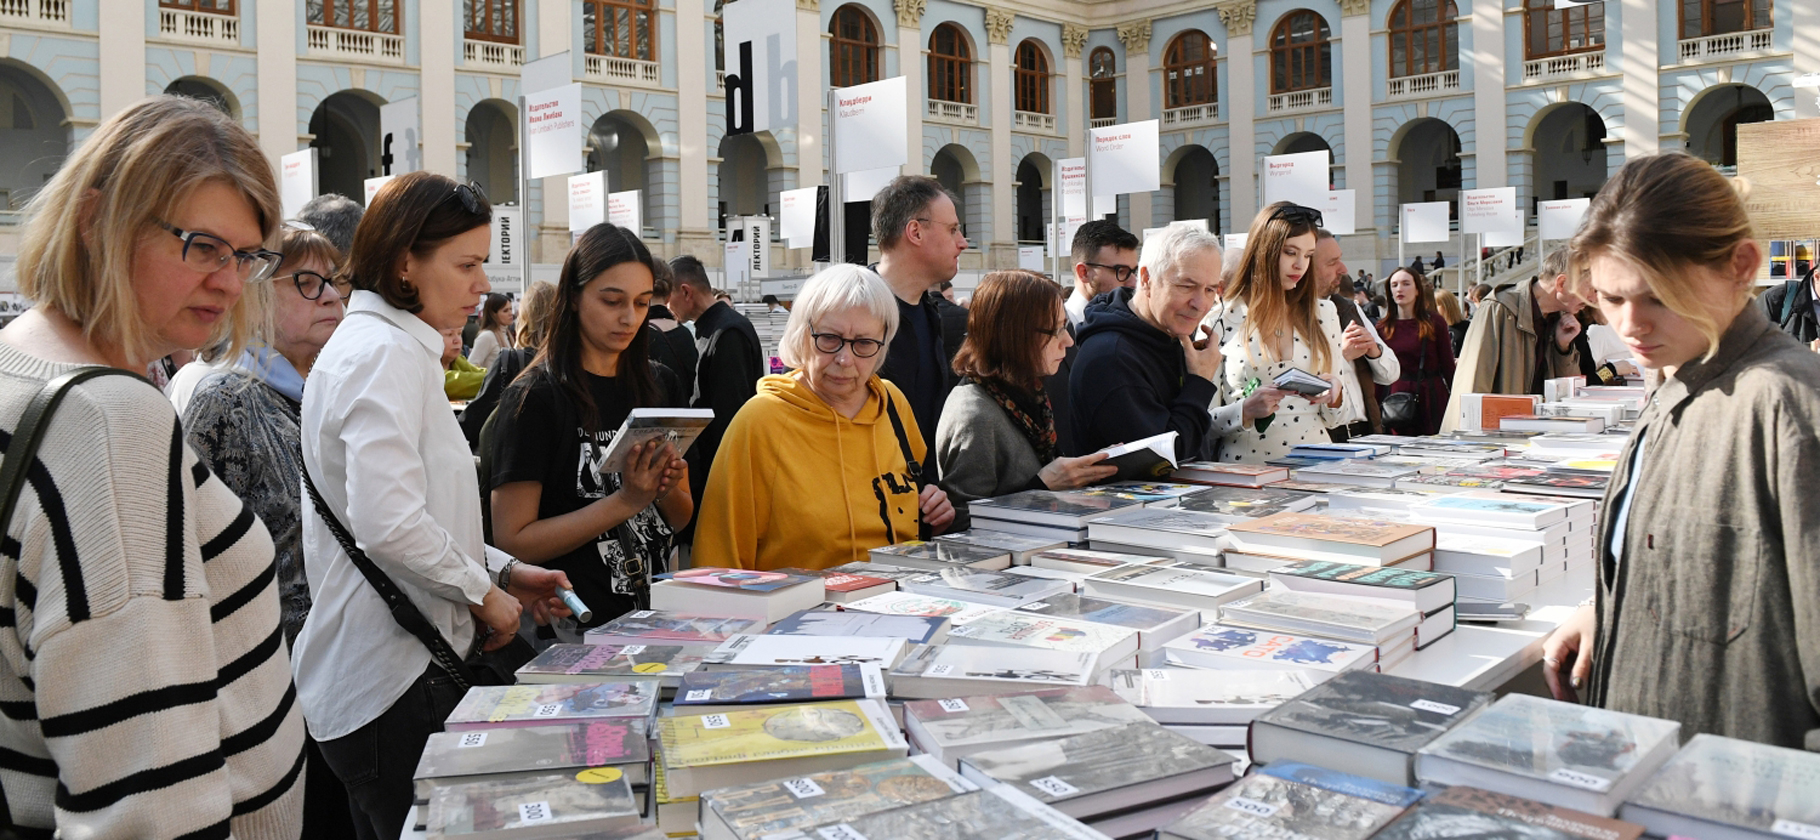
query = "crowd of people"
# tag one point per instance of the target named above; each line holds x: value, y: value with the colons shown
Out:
x: 207, y: 607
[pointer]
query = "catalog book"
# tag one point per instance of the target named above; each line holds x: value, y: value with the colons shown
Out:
x: 1020, y: 547
x: 1178, y: 586
x: 791, y: 684
x: 936, y: 556
x: 1365, y: 724
x: 1238, y: 504
x: 677, y: 426
x: 1330, y: 538
x: 952, y: 727
x: 1053, y: 508
x: 905, y: 603
x: 934, y: 671
x: 645, y: 627
x: 1220, y: 646
x: 1153, y: 624
x: 785, y: 740
x: 1109, y: 645
x: 508, y: 706
x: 1162, y: 528
x: 556, y: 805
x: 567, y: 747
x: 915, y: 629
x: 991, y: 588
x: 1726, y: 788
x: 604, y: 663
x: 1576, y: 824
x: 1105, y: 770
x: 760, y: 809
x: 1191, y: 696
x: 744, y: 652
x: 1264, y: 805
x: 1365, y: 620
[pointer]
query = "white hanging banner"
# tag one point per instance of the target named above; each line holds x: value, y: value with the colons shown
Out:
x: 1235, y: 240
x: 1125, y: 159
x: 1031, y: 259
x: 400, y: 137
x: 1301, y: 178
x: 866, y: 183
x: 758, y: 245
x: 1105, y: 205
x: 760, y: 56
x: 871, y: 125
x: 297, y: 182
x: 1425, y: 222
x: 587, y: 201
x: 1074, y: 187
x: 1338, y: 213
x: 1504, y: 239
x: 734, y: 261
x: 372, y: 187
x: 626, y: 209
x: 796, y: 217
x: 554, y: 131
x: 506, y: 258
x: 547, y: 73
x: 1559, y: 219
x: 1487, y: 210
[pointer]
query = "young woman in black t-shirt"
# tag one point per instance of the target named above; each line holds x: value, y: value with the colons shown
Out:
x: 551, y: 503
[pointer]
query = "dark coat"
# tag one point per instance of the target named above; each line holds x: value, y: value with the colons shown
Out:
x: 1131, y: 381
x: 1791, y: 307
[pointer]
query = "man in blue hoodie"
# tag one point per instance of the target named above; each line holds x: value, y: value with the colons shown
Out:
x: 1138, y: 372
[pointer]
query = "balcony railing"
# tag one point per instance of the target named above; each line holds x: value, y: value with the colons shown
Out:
x: 1426, y: 84
x: 1102, y: 122
x: 1207, y: 112
x: 1720, y: 46
x: 614, y: 69
x: 959, y: 112
x: 356, y: 44
x: 185, y: 25
x: 51, y: 12
x: 1298, y: 100
x: 1032, y: 121
x: 491, y: 55
x: 1564, y: 65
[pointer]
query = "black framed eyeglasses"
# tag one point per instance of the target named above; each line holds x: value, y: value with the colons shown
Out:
x: 311, y: 285
x: 1296, y: 214
x: 831, y: 344
x: 207, y: 253
x: 1120, y: 273
x: 471, y: 196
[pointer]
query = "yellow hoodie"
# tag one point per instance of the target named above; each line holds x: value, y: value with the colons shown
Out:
x: 796, y: 484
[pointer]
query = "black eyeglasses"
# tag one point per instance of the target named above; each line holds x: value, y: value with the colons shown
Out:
x: 830, y: 343
x: 1120, y: 273
x: 1296, y: 213
x: 471, y: 195
x: 311, y: 285
x: 207, y: 253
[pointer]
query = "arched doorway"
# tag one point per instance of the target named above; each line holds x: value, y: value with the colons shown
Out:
x: 34, y: 135
x: 1428, y: 163
x: 1569, y: 145
x: 346, y: 131
x: 1303, y: 141
x: 958, y: 172
x: 1712, y: 121
x: 1196, y: 182
x: 1033, y: 207
x: 744, y: 185
x: 620, y: 144
x: 196, y: 87
x: 493, y: 150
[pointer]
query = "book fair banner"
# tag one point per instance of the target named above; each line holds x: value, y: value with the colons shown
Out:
x: 626, y: 209
x: 1425, y: 222
x: 587, y: 202
x: 297, y: 180
x: 1559, y: 219
x: 760, y: 57
x: 1301, y: 178
x: 1124, y: 159
x: 1489, y: 210
x: 553, y: 130
x: 1338, y: 214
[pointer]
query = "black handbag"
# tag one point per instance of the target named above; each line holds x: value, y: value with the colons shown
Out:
x: 1404, y: 408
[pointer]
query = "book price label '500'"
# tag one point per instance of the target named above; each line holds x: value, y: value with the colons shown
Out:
x: 534, y: 812
x: 715, y: 722
x: 472, y: 739
x: 1261, y: 810
x: 1432, y: 706
x: 1790, y: 828
x: 631, y: 650
x: 940, y: 670
x: 548, y: 710
x: 803, y: 788
x: 1054, y: 786
x: 954, y: 705
x: 842, y: 831
x: 1157, y: 674
x: 695, y: 694
x: 1580, y: 780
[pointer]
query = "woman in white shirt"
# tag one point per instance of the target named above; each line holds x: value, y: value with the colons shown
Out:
x: 495, y: 334
x: 390, y: 461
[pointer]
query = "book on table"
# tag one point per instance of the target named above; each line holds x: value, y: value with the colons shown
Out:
x: 1142, y: 460
x: 1221, y: 735
x: 1154, y: 624
x: 564, y: 663
x: 1106, y: 771
x: 1376, y: 498
x: 1153, y: 493
x: 1266, y: 805
x: 1052, y: 508
x: 957, y: 612
x: 950, y: 728
x: 915, y: 629
x: 1351, y: 449
x: 450, y: 757
x: 1238, y: 504
x: 676, y: 815
x: 762, y: 809
x: 1236, y: 475
x: 1361, y: 473
x: 654, y: 627
x: 1165, y: 528
x: 1363, y: 723
x: 510, y: 706
x: 1087, y: 561
x: 1110, y: 646
x: 1192, y: 696
x: 842, y: 587
x: 1425, y: 591
x: 996, y: 813
x: 877, y: 570
x: 1247, y: 561
x: 1474, y: 555
x: 936, y: 671
x: 1479, y: 510
x: 1180, y: 556
x: 1484, y: 412
x: 1577, y: 825
x: 1070, y: 576
x: 1550, y: 423
x: 1576, y: 756
x: 936, y: 556
x: 745, y: 652
x: 1019, y: 546
x: 1331, y: 538
x: 707, y: 752
x: 1176, y: 586
x: 1316, y: 488
x: 676, y: 426
x: 534, y: 807
x: 1365, y: 620
x: 1556, y: 484
x: 1727, y: 789
x: 742, y: 593
x: 1223, y: 647
x: 1496, y: 585
x: 706, y: 692
x: 991, y: 588
x: 1327, y: 778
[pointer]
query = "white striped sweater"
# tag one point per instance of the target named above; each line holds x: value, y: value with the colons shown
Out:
x: 145, y: 687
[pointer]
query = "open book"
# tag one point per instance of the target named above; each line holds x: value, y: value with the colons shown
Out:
x: 1151, y: 457
x: 680, y: 426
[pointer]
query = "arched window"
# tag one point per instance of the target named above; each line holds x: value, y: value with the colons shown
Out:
x: 950, y: 65
x: 1422, y: 37
x: 1032, y: 84
x: 1301, y: 54
x: 1548, y: 31
x: 1188, y: 70
x: 1102, y: 87
x: 1700, y: 18
x: 620, y: 28
x: 853, y: 51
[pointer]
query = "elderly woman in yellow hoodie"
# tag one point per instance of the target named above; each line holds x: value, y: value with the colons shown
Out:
x: 823, y: 463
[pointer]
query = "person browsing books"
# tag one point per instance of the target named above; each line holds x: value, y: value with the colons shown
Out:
x: 1520, y: 336
x: 730, y: 361
x: 553, y: 503
x: 825, y: 463
x: 1365, y: 356
x: 997, y: 434
x: 1707, y: 608
x: 1424, y: 350
x: 392, y: 469
x: 1273, y: 322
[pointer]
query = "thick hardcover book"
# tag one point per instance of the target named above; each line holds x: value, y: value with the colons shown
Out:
x: 1085, y: 560
x: 612, y: 663
x: 642, y: 627
x: 792, y: 684
x: 1575, y: 756
x: 1154, y: 493
x: 1365, y: 620
x: 1338, y: 782
x: 997, y: 813
x: 1106, y: 770
x: 905, y: 603
x: 965, y: 670
x: 705, y: 752
x: 1055, y: 508
x: 1219, y: 646
x: 1365, y: 724
x: 936, y: 556
x: 1154, y: 625
x: 1166, y: 528
x: 1143, y: 460
x: 877, y: 570
x: 1180, y: 586
x: 1262, y: 805
x: 990, y: 588
x: 761, y: 809
x: 536, y: 806
x: 957, y: 726
x: 1476, y: 510
x: 843, y: 587
x: 1237, y: 475
x: 1010, y: 629
x: 572, y: 747
x: 676, y: 426
x: 1723, y: 788
x: 1577, y: 824
x: 1426, y: 591
x: 1020, y: 547
x: 745, y: 580
x: 507, y: 706
x: 1364, y: 473
x: 915, y: 629
x: 1238, y: 504
x: 1326, y: 538
x: 1478, y: 555
x: 744, y: 652
x: 1191, y: 696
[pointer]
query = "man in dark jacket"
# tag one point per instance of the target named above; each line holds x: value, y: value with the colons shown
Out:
x: 671, y: 344
x: 1138, y: 373
x: 1795, y: 307
x: 918, y: 227
x: 731, y: 360
x: 954, y: 321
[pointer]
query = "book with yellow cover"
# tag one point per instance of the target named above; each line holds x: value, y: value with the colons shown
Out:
x: 705, y: 752
x: 1313, y: 537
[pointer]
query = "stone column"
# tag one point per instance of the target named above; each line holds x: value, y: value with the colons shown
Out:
x: 122, y: 47
x: 1355, y: 98
x: 1640, y: 64
x: 275, y: 40
x: 1136, y: 38
x: 1487, y: 57
x: 1240, y: 109
x: 692, y: 87
x: 435, y: 88
x: 1002, y: 250
x: 1074, y: 94
x: 910, y: 65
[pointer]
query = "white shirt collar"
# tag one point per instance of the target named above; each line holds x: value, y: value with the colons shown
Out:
x: 365, y: 301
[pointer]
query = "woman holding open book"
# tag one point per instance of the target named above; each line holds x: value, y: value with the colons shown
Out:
x: 997, y: 430
x: 553, y: 503
x: 1707, y: 609
x: 1271, y: 323
x: 1420, y: 337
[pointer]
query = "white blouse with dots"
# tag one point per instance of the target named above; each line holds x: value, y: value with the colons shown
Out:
x: 1297, y: 420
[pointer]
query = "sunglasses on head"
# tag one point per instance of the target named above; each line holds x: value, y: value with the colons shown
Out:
x: 1297, y: 214
x: 471, y: 196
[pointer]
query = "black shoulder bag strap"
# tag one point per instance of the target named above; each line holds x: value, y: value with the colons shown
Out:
x: 911, y: 466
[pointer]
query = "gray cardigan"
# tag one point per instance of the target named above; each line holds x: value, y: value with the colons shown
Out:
x: 980, y: 452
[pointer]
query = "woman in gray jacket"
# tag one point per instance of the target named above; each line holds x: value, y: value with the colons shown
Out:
x: 997, y: 431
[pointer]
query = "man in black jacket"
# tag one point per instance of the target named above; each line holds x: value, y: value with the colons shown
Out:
x: 731, y: 360
x: 1795, y: 306
x: 918, y: 227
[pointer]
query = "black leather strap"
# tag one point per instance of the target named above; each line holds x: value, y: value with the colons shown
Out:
x: 912, y: 467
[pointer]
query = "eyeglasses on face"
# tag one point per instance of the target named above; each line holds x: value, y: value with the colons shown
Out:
x: 1297, y: 214
x: 311, y: 285
x: 207, y: 253
x: 831, y: 344
x: 954, y: 229
x: 1120, y: 273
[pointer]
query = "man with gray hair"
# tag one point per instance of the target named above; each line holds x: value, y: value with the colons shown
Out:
x: 335, y: 216
x: 919, y: 246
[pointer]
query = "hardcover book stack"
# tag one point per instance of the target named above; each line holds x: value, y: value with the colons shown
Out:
x: 603, y: 663
x: 1431, y: 594
x: 914, y: 629
x: 707, y: 692
x: 937, y: 556
x: 1213, y: 707
x: 1182, y: 587
x: 1725, y: 789
x: 1019, y: 546
x: 654, y: 627
x: 1186, y: 535
x: 1566, y: 528
x: 1365, y: 724
x: 1295, y: 802
x: 1221, y: 647
x: 710, y: 751
x: 1231, y: 475
x: 1155, y: 625
x: 1050, y: 514
x: 740, y: 593
x: 1286, y: 538
x: 464, y: 758
x: 1466, y: 812
x: 765, y: 808
x: 1242, y: 504
x: 997, y: 813
x: 1110, y: 647
x: 1386, y: 627
x: 952, y: 728
x: 841, y: 587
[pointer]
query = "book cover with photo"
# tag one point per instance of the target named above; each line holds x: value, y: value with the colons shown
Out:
x: 1220, y: 646
x: 915, y: 629
x: 505, y: 706
x: 1075, y: 773
x: 706, y: 752
x: 1262, y: 805
x: 1366, y: 620
x: 905, y: 603
x: 761, y: 809
x: 748, y: 651
x: 1194, y: 696
x: 1724, y: 787
x: 953, y: 727
x: 993, y: 814
x: 659, y: 627
x: 1578, y: 824
x: 553, y: 805
x: 917, y: 554
x: 964, y: 670
x: 677, y: 426
x: 791, y: 684
x: 1241, y: 503
x: 603, y: 743
x: 565, y: 663
x: 1365, y: 724
x: 746, y: 579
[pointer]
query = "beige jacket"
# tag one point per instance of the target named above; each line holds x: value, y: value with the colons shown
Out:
x: 1499, y: 356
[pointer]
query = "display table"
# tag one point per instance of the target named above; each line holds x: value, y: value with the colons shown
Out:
x: 1484, y: 657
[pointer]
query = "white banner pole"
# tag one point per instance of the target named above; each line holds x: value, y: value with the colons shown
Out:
x: 837, y: 198
x: 524, y: 197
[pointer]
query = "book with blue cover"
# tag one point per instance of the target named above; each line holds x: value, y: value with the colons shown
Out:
x: 1346, y: 783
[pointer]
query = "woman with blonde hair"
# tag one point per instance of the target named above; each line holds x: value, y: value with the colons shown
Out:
x: 143, y: 661
x: 1707, y: 608
x: 1456, y: 319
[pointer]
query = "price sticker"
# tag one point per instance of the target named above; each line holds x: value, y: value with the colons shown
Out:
x: 472, y: 739
x: 1438, y: 708
x: 964, y: 630
x: 940, y: 670
x: 842, y: 831
x: 1790, y: 828
x: 697, y: 695
x: 803, y: 788
x: 1054, y: 786
x: 531, y: 813
x: 715, y: 722
x: 1157, y: 674
x: 599, y: 775
x: 1581, y: 780
x: 1037, y: 605
x: 548, y: 710
x: 640, y: 614
x: 1261, y: 810
x: 953, y: 705
x: 631, y: 650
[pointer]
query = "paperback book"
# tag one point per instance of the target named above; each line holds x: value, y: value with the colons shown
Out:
x: 1225, y: 697
x: 510, y: 706
x: 915, y: 629
x: 1237, y: 475
x: 1362, y: 473
x: 1176, y: 586
x: 1103, y: 771
x: 646, y: 627
x: 957, y: 612
x: 678, y: 427
x: 1363, y: 620
x: 762, y: 595
x: 555, y: 805
x: 1364, y: 724
x: 844, y: 587
x: 936, y: 556
x: 1327, y: 538
x: 1164, y: 528
x: 1223, y: 647
x: 476, y: 756
x: 990, y: 588
x: 1154, y: 625
x: 1238, y: 504
x: 1142, y: 460
x: 1725, y: 788
x: 1110, y: 646
x: 950, y: 728
x: 612, y: 663
x: 1264, y: 805
x: 770, y: 686
x: 1020, y: 547
x: 1053, y: 508
x: 761, y: 809
x: 997, y: 813
x: 1576, y: 824
x: 934, y: 671
x: 1425, y: 591
x: 745, y: 652
x: 707, y: 752
x: 1476, y: 510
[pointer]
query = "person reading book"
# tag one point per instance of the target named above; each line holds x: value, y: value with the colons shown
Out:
x: 826, y: 462
x: 1424, y: 349
x: 1520, y: 336
x: 997, y: 434
x: 1707, y: 608
x: 554, y: 502
x: 1273, y: 321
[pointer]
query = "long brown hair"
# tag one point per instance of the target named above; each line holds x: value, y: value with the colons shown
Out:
x: 1268, y: 308
x: 1423, y: 306
x: 600, y: 248
x: 1012, y: 315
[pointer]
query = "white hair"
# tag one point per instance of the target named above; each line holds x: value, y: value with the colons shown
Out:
x: 836, y: 288
x: 1174, y: 244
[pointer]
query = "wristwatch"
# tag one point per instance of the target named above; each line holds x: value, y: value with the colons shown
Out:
x: 505, y: 574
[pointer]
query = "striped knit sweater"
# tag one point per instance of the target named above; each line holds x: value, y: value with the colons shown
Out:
x: 145, y: 687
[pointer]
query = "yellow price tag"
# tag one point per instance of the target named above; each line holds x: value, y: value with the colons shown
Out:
x: 649, y: 667
x: 598, y: 775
